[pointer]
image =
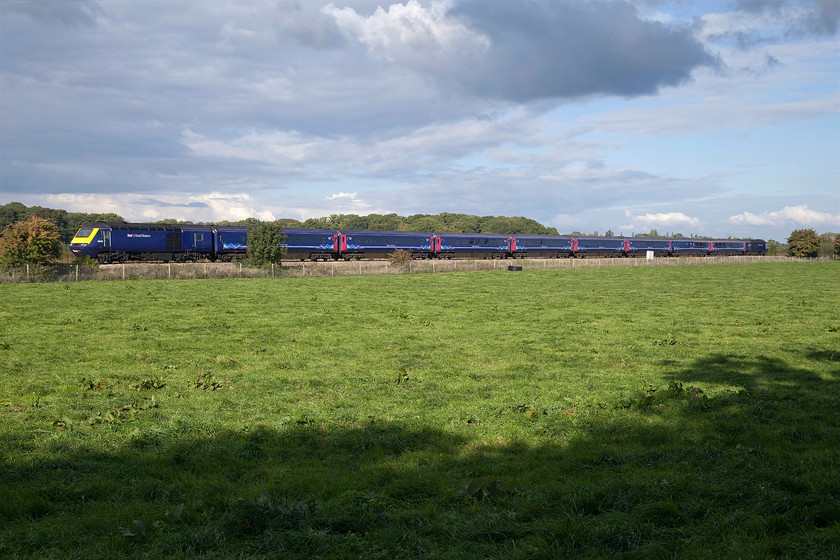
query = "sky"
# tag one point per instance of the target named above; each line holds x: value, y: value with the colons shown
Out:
x: 707, y: 117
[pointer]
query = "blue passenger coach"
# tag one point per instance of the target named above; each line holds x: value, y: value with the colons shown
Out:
x: 312, y: 244
x: 473, y: 246
x: 542, y: 246
x: 381, y: 244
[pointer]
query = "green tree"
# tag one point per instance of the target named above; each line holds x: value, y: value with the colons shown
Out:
x: 265, y: 243
x: 11, y: 213
x: 775, y: 248
x: 803, y: 243
x: 837, y: 244
x: 32, y: 241
x: 827, y: 244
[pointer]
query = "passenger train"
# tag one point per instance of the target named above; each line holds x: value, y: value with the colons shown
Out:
x: 110, y: 242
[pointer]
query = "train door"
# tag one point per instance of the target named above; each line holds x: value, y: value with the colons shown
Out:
x: 106, y: 238
x: 339, y: 242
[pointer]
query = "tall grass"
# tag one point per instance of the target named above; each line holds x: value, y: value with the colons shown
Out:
x: 638, y: 413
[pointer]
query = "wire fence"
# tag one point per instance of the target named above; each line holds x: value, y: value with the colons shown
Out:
x: 164, y: 271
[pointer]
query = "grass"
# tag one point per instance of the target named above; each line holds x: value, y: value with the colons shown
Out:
x: 689, y: 412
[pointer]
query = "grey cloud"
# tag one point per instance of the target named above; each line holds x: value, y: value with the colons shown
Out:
x: 164, y: 204
x: 811, y: 18
x: 574, y: 49
x: 794, y: 19
x: 73, y: 14
x: 310, y: 28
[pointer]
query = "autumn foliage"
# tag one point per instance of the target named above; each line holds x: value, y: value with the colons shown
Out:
x: 32, y: 241
x: 803, y: 243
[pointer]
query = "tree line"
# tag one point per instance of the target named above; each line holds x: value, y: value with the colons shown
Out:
x: 37, y: 235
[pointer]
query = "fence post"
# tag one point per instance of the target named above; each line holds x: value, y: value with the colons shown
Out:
x: 77, y: 273
x: 123, y: 271
x: 169, y: 272
x: 27, y: 272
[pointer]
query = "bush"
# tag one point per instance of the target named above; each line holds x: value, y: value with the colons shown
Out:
x: 803, y: 243
x: 265, y: 243
x: 32, y: 241
x: 400, y: 257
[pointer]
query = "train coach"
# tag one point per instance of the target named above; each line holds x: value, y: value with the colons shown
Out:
x: 110, y: 242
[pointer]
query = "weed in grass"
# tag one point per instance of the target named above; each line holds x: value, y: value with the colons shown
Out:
x: 92, y: 385
x: 153, y: 383
x: 205, y: 382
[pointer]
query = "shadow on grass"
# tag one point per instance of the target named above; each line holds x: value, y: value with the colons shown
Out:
x: 751, y: 472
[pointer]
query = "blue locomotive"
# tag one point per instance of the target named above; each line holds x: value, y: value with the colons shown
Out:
x: 110, y: 242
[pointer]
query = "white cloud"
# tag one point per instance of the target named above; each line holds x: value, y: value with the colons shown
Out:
x: 410, y: 34
x: 345, y: 195
x: 195, y: 207
x: 660, y: 220
x: 789, y: 215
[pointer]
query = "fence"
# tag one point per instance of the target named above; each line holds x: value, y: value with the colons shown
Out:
x: 131, y: 271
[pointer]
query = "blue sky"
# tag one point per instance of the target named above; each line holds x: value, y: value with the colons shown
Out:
x: 710, y: 117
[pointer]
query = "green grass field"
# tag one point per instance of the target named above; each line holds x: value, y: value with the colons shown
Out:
x: 688, y: 412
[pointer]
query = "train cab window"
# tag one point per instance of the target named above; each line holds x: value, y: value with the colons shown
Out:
x: 84, y: 233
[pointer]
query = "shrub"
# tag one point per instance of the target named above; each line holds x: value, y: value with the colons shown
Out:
x: 265, y: 243
x: 32, y: 241
x: 400, y: 257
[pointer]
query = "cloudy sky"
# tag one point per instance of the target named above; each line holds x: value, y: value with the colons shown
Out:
x: 709, y: 117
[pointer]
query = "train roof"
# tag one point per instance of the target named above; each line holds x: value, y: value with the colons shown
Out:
x: 131, y: 226
x: 384, y: 232
x: 180, y: 227
x: 159, y: 227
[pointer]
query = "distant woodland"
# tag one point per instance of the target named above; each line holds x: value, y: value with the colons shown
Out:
x: 70, y: 222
